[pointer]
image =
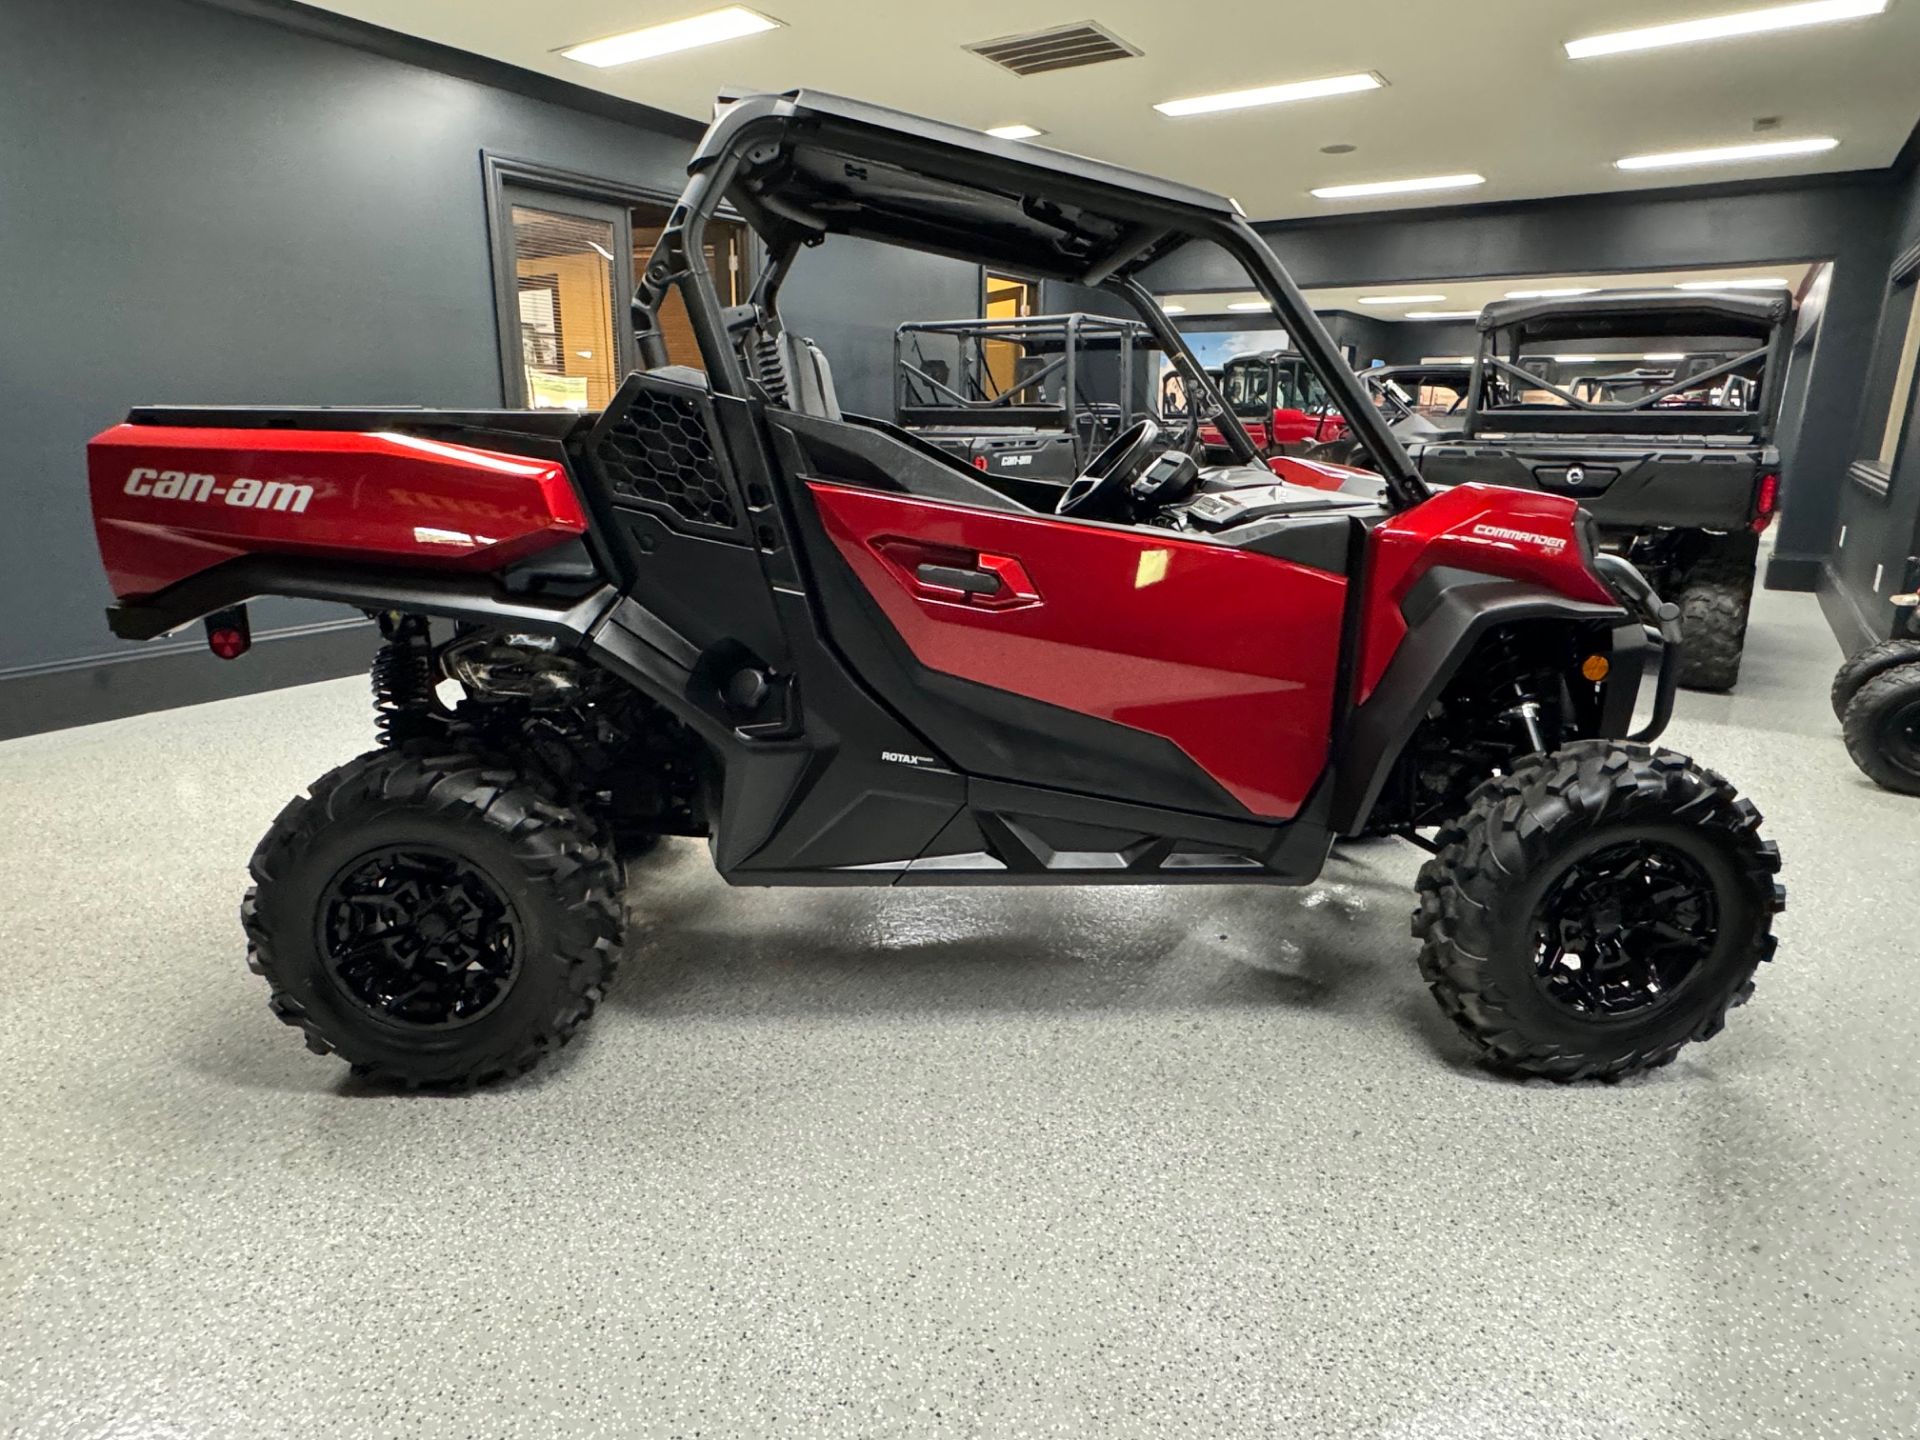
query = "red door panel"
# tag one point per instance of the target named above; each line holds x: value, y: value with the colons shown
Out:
x: 1231, y: 656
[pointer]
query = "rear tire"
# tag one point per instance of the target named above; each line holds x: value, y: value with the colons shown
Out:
x: 1882, y: 729
x: 1864, y: 665
x: 1716, y: 593
x: 434, y: 918
x: 1597, y: 910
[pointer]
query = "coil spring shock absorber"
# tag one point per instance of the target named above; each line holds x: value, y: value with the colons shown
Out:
x: 404, y: 705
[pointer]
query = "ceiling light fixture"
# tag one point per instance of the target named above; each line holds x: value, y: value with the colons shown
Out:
x: 1727, y: 154
x: 1397, y: 299
x: 1772, y: 282
x: 1271, y: 94
x: 1173, y: 309
x: 1398, y: 187
x: 1665, y: 355
x: 1442, y: 315
x: 1577, y: 359
x: 1250, y: 305
x: 1722, y: 27
x: 731, y: 23
x: 1558, y: 293
x: 1015, y: 132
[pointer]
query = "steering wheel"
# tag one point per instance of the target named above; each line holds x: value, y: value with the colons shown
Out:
x: 1100, y: 493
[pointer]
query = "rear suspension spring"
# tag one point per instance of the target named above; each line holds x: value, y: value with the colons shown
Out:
x: 404, y: 705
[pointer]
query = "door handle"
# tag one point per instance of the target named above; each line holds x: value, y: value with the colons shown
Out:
x: 952, y: 577
x: 949, y: 575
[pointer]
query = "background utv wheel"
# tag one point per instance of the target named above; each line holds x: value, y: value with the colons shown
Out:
x: 435, y: 919
x: 1882, y: 728
x: 1596, y: 910
x: 1864, y: 665
x: 1715, y: 594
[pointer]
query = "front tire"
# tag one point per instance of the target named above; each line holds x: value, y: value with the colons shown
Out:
x: 1596, y: 910
x: 436, y: 919
x: 1882, y: 729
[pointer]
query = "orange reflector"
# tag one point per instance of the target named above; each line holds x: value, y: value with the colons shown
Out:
x: 1595, y: 668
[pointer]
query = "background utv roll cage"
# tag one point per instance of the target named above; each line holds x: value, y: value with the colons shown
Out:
x: 1767, y: 321
x: 1048, y: 354
x: 802, y: 166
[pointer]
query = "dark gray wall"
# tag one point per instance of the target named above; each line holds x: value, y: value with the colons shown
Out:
x: 1874, y: 538
x: 205, y: 207
x: 849, y: 295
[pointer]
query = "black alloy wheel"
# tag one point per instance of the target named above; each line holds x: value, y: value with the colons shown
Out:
x: 420, y: 936
x: 1623, y: 929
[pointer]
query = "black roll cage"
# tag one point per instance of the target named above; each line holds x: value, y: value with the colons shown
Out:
x: 1620, y: 315
x: 801, y: 166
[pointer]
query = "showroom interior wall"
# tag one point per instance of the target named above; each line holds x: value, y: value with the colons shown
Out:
x: 1846, y: 218
x: 203, y: 206
x: 1874, y: 540
x: 247, y: 202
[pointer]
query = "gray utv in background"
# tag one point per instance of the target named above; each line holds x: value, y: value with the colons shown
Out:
x: 1662, y: 429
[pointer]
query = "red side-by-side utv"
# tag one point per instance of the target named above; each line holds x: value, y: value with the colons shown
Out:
x: 724, y: 607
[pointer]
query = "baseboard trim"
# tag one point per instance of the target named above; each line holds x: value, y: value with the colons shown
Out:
x: 169, y: 675
x: 1850, y: 627
x: 1794, y: 572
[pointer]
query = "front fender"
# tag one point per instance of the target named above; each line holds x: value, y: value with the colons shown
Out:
x: 1445, y: 614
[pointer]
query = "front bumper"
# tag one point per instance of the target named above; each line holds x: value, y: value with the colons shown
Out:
x: 1647, y: 644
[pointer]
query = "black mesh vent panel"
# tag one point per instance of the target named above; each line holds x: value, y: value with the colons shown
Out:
x: 656, y: 447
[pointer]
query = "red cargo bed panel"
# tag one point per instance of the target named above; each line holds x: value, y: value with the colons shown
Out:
x: 172, y: 501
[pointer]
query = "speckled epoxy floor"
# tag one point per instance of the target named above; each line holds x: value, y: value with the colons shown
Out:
x: 983, y: 1163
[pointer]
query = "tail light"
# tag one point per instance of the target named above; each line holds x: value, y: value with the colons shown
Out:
x: 1766, y: 502
x: 228, y: 634
x: 979, y: 462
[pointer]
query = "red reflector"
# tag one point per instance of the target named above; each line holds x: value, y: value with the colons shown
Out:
x: 228, y: 643
x: 228, y: 634
x: 979, y: 462
x: 1766, y: 502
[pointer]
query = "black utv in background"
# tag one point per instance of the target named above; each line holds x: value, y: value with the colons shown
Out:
x: 1028, y: 400
x: 1656, y: 412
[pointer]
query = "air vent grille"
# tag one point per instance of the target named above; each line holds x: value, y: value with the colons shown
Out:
x: 1066, y: 47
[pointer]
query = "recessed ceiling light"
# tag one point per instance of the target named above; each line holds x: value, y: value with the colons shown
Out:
x: 1723, y: 154
x: 1250, y: 305
x: 1015, y: 132
x: 1397, y: 299
x: 731, y: 23
x: 1271, y: 94
x: 1173, y: 309
x: 1442, y: 315
x: 1772, y: 282
x: 1665, y: 355
x: 1398, y: 187
x: 1579, y: 359
x: 1721, y: 27
x: 1559, y: 293
x: 1446, y: 360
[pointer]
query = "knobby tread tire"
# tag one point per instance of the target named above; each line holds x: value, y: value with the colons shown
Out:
x: 1863, y: 726
x: 559, y: 868
x: 1514, y: 828
x: 1864, y: 665
x: 1715, y: 597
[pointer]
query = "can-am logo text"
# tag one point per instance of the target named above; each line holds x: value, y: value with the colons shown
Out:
x: 1553, y: 544
x: 240, y: 492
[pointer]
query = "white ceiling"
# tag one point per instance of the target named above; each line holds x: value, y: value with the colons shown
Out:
x: 1474, y: 294
x: 1472, y: 85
